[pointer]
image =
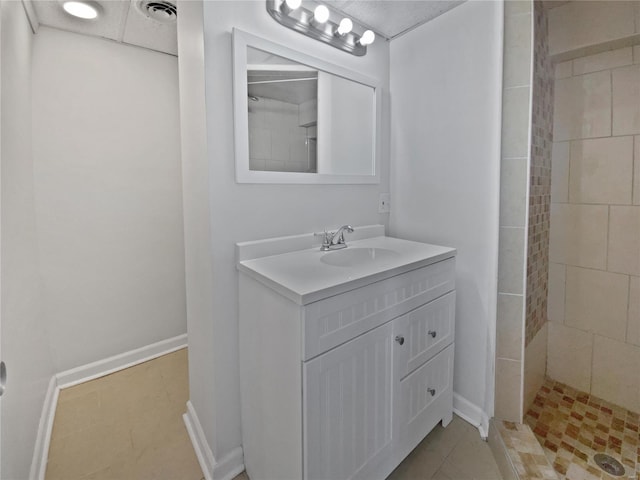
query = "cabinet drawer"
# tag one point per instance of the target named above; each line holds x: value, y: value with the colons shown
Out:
x: 426, y: 397
x: 335, y: 320
x: 423, y: 332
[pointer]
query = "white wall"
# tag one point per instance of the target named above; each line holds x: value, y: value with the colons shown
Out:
x: 108, y: 187
x: 24, y: 342
x: 245, y: 212
x: 445, y: 153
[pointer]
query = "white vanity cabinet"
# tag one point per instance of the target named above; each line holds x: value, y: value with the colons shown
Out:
x: 346, y: 386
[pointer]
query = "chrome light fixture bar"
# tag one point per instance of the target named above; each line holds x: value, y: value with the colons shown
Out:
x: 316, y: 24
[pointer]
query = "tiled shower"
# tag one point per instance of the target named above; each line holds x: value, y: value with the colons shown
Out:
x: 569, y: 278
x: 594, y: 295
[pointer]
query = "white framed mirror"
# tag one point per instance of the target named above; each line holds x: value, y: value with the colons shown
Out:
x: 298, y: 119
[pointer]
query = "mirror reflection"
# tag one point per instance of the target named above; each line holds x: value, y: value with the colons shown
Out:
x: 302, y: 119
x: 282, y: 113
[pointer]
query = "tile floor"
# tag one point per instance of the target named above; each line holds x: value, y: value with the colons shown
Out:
x: 128, y: 426
x: 452, y: 453
x: 125, y: 426
x: 572, y: 426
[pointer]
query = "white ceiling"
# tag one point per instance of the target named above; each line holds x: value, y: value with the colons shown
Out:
x: 392, y: 18
x: 120, y: 20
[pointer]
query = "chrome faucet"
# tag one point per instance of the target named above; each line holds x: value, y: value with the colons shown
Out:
x: 334, y: 240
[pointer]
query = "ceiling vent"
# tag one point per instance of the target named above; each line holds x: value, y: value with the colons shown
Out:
x: 159, y: 10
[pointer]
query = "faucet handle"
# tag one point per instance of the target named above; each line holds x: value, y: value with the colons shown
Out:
x: 326, y: 239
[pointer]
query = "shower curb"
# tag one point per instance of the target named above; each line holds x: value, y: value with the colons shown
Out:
x: 518, y: 453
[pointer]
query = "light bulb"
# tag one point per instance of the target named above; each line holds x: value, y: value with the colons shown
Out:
x: 345, y: 26
x: 80, y: 10
x: 321, y: 14
x: 367, y: 38
x: 293, y: 4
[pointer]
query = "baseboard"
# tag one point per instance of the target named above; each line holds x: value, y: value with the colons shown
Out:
x: 82, y: 374
x: 471, y: 413
x: 113, y: 364
x: 43, y: 438
x: 227, y: 468
x: 199, y: 441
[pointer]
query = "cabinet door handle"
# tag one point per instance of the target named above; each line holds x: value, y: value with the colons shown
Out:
x: 432, y: 391
x: 433, y: 333
x: 3, y: 377
x: 400, y: 339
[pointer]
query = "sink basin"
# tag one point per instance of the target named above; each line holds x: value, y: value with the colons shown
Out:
x: 356, y: 257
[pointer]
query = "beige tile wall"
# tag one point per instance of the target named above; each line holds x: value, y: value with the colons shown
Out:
x: 516, y: 124
x: 538, y: 225
x: 584, y: 25
x: 594, y: 275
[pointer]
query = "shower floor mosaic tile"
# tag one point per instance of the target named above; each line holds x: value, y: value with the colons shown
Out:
x: 572, y: 426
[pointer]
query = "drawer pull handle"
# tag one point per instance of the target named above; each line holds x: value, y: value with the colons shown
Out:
x: 432, y: 391
x: 433, y: 333
x: 400, y: 339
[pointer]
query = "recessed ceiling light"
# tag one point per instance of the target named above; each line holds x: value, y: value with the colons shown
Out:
x: 81, y: 10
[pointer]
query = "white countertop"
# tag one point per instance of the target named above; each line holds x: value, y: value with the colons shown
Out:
x: 302, y: 277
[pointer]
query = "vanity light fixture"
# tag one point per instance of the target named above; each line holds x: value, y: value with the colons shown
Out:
x: 84, y: 10
x: 317, y: 24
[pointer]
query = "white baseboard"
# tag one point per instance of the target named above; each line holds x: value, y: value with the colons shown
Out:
x: 43, y: 438
x: 471, y: 413
x: 94, y: 370
x: 230, y: 465
x: 227, y: 468
x: 199, y: 441
x: 82, y: 374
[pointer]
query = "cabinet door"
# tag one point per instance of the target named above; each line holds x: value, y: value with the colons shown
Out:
x: 347, y: 409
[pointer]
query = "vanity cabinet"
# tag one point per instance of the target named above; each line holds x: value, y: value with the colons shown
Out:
x: 346, y: 386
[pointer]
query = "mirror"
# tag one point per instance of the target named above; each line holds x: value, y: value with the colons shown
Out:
x: 301, y: 120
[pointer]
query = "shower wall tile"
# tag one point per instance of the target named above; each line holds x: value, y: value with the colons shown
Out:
x: 615, y: 372
x: 569, y: 352
x: 603, y: 61
x: 509, y: 326
x: 564, y: 69
x: 582, y: 107
x: 516, y: 146
x: 633, y: 323
x: 515, y: 122
x: 555, y: 303
x: 508, y: 399
x: 560, y: 172
x: 596, y: 301
x: 636, y: 171
x: 535, y: 365
x: 579, y: 235
x: 582, y: 24
x: 624, y: 240
x: 517, y: 7
x: 513, y: 192
x: 601, y: 171
x: 594, y: 274
x: 517, y: 48
x: 511, y: 259
x: 626, y: 100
